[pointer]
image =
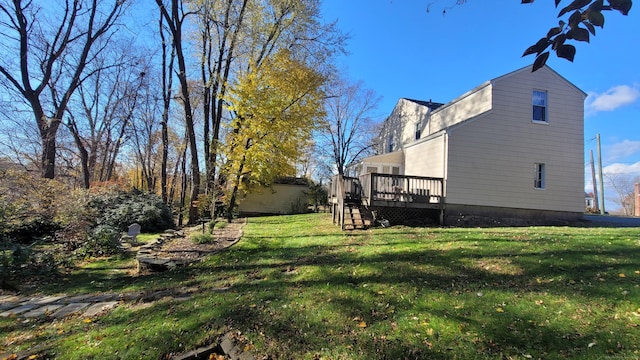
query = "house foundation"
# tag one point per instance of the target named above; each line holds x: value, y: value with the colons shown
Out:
x: 470, y: 215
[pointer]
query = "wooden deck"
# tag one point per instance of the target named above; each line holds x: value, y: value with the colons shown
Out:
x: 385, y: 191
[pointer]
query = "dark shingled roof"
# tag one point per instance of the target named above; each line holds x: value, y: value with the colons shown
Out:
x: 430, y: 104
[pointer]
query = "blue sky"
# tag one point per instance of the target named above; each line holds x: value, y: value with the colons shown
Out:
x: 399, y: 49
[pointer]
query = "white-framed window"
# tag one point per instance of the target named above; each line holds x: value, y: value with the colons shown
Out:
x: 539, y: 102
x: 540, y: 175
x: 390, y: 143
x: 418, y: 130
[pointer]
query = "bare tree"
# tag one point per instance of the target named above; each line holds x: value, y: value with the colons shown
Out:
x: 168, y: 59
x: 104, y: 106
x: 347, y: 134
x: 51, y: 53
x: 623, y: 186
x: 146, y: 136
x: 174, y: 17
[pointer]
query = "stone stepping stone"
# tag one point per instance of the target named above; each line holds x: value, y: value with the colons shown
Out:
x: 103, y: 298
x: 8, y: 302
x: 8, y: 298
x: 78, y: 298
x: 98, y: 308
x: 43, y: 310
x: 70, y: 309
x: 18, y: 310
x: 44, y: 300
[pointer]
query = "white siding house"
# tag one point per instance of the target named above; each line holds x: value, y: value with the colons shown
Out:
x: 511, y: 146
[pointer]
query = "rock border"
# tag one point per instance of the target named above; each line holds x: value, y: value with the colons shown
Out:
x: 151, y: 257
x: 227, y: 346
x: 148, y: 255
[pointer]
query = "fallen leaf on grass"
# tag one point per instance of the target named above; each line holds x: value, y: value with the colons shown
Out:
x: 362, y: 324
x: 500, y: 310
x: 622, y: 275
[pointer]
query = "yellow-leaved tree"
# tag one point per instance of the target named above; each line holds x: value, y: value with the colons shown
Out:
x: 275, y: 106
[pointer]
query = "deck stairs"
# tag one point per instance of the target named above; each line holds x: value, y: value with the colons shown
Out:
x: 356, y: 217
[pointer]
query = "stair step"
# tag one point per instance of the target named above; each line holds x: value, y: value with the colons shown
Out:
x: 354, y: 218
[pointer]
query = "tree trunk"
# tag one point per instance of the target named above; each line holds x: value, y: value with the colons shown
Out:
x: 48, y: 137
x: 174, y: 20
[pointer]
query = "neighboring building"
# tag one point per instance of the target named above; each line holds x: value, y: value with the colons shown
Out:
x: 285, y: 196
x: 511, y: 147
x: 589, y: 202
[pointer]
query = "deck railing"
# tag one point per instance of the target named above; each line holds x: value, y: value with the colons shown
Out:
x: 380, y: 188
x: 403, y: 188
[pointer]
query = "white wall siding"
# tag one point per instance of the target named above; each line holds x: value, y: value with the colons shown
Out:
x: 401, y: 125
x: 467, y: 106
x: 426, y: 158
x: 491, y: 159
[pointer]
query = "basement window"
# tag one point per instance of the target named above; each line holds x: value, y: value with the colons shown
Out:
x: 540, y: 174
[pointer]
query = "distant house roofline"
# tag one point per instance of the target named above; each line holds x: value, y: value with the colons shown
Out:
x: 430, y: 104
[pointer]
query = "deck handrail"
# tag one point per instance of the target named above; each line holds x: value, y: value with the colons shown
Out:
x: 406, y: 188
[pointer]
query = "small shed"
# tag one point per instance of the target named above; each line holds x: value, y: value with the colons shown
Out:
x: 285, y: 196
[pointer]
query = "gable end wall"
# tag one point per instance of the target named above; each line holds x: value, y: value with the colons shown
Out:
x: 491, y: 159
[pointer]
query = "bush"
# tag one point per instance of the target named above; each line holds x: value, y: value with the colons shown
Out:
x: 29, y: 206
x: 203, y: 238
x: 120, y: 209
x: 18, y: 262
x: 13, y: 257
x: 103, y: 240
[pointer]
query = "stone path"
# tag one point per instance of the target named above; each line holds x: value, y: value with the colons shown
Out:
x: 154, y: 252
x: 171, y: 249
x: 60, y: 306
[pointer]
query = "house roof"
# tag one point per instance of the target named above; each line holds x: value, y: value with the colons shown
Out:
x: 492, y: 81
x: 528, y: 68
x: 430, y: 104
x: 392, y: 157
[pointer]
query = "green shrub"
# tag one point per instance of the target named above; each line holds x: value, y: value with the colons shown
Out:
x: 203, y: 238
x: 103, y: 240
x: 13, y: 257
x: 121, y: 209
x: 18, y: 262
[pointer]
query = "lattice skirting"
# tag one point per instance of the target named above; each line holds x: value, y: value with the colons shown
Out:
x: 406, y: 216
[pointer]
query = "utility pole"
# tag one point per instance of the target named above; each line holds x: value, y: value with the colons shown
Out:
x: 593, y: 181
x: 602, y: 211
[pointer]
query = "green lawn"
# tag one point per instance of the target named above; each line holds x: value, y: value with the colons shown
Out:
x: 296, y: 287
